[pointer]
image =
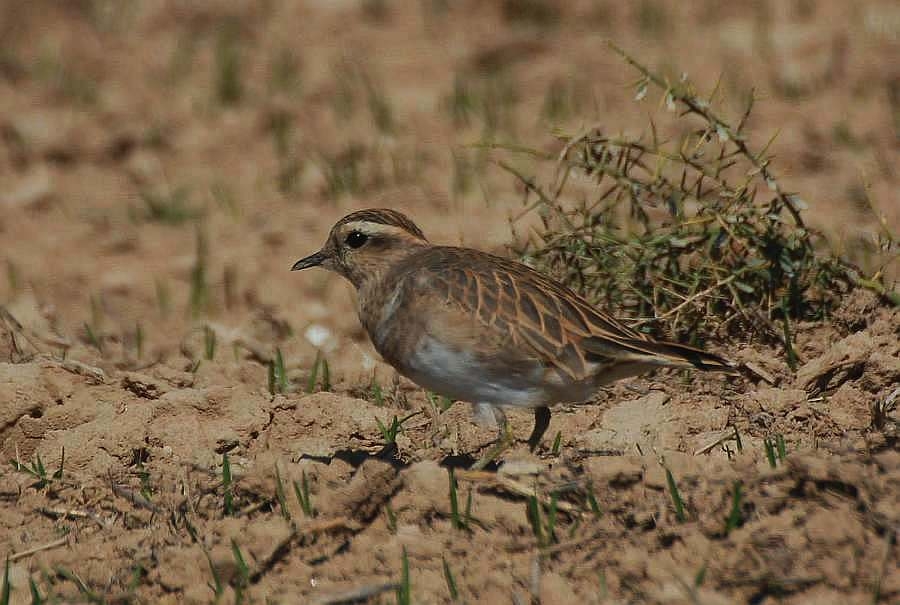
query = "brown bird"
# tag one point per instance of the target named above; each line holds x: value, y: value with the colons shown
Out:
x: 484, y: 329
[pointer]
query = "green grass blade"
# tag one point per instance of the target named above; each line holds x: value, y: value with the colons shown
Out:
x: 218, y: 586
x: 36, y: 598
x: 451, y: 582
x: 592, y: 501
x: 62, y: 463
x: 455, y: 520
x: 676, y: 496
x: 227, y: 485
x: 390, y: 518
x: 404, y: 592
x: 280, y: 495
x: 314, y: 374
x: 735, y: 517
x: 780, y: 447
x: 770, y: 451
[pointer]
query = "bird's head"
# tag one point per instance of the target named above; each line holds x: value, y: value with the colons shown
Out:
x: 364, y: 243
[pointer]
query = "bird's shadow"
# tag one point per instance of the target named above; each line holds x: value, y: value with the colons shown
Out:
x: 390, y: 454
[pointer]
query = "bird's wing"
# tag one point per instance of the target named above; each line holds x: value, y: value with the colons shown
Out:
x: 535, y: 312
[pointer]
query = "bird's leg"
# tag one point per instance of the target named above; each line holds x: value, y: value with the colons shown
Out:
x: 504, y: 440
x: 541, y: 422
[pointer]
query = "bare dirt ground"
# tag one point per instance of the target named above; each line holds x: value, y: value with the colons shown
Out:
x: 163, y: 164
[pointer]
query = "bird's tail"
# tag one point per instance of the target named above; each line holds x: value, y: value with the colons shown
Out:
x: 669, y: 354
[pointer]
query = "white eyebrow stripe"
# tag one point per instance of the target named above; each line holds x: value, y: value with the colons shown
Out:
x: 371, y: 228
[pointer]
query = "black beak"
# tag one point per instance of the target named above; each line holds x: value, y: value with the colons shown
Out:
x: 313, y: 260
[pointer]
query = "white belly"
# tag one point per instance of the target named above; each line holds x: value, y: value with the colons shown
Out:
x: 459, y: 375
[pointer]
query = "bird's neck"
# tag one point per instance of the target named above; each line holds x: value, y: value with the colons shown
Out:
x: 380, y: 292
x: 369, y: 276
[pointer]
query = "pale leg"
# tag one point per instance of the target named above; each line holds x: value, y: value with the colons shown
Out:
x: 504, y: 436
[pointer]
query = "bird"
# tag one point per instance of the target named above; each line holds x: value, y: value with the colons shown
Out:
x: 484, y: 329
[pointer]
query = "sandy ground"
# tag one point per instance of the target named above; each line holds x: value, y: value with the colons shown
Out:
x: 152, y: 205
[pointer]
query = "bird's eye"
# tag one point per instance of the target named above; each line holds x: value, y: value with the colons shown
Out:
x: 355, y: 239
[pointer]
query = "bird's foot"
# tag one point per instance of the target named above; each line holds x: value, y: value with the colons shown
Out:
x: 503, y: 443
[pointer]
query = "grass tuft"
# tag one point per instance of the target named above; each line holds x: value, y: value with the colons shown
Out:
x: 542, y: 519
x: 737, y: 440
x: 376, y: 391
x: 301, y: 491
x: 93, y: 338
x: 735, y: 517
x: 461, y: 521
x: 320, y: 369
x: 242, y: 580
x: 677, y: 502
x: 700, y: 576
x: 143, y: 474
x: 36, y: 598
x: 227, y: 486
x: 281, y: 496
x: 557, y: 442
x: 218, y: 586
x: 780, y: 447
x: 278, y: 379
x: 390, y: 518
x: 38, y: 471
x: 592, y: 501
x: 439, y: 402
x: 390, y: 431
x: 776, y: 449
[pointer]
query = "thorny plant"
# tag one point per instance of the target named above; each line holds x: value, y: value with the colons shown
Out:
x: 695, y: 237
